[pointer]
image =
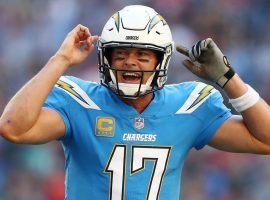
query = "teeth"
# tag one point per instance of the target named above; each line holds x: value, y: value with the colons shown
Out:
x: 131, y: 74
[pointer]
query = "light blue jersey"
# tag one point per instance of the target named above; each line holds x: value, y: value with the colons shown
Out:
x: 113, y: 152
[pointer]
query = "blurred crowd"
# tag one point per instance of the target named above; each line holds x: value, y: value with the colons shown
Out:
x: 32, y: 30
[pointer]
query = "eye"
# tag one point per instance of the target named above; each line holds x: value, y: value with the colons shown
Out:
x: 119, y: 54
x: 143, y: 54
x: 143, y: 60
x: 119, y: 58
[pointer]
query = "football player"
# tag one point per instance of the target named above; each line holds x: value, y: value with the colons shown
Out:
x: 128, y: 137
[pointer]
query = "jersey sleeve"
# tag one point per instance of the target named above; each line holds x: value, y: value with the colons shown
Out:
x: 57, y: 101
x: 213, y: 114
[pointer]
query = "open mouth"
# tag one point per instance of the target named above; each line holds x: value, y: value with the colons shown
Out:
x: 132, y: 77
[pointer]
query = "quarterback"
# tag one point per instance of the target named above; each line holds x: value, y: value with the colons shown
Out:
x: 128, y: 136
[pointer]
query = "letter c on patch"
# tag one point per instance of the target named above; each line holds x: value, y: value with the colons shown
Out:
x: 105, y: 124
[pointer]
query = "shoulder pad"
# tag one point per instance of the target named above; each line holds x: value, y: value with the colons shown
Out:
x: 76, y: 92
x: 199, y: 95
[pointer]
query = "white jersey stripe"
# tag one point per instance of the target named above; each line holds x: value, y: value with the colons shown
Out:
x: 84, y: 99
x: 201, y: 91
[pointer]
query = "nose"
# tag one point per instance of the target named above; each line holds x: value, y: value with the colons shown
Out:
x: 131, y: 60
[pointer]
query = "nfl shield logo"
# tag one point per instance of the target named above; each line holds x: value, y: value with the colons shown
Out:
x: 139, y: 123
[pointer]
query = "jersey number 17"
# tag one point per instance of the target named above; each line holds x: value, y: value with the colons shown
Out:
x: 116, y: 167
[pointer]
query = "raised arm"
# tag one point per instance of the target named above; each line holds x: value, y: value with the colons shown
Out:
x: 23, y: 119
x: 248, y: 132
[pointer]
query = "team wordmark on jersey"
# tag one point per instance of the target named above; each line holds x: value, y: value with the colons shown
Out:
x: 139, y: 137
x: 105, y: 126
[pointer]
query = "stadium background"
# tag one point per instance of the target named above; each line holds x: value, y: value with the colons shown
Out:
x: 32, y: 30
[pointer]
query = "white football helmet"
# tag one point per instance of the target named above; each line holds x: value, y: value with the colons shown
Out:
x: 135, y: 26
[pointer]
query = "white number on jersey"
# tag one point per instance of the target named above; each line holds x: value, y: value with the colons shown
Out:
x: 116, y: 166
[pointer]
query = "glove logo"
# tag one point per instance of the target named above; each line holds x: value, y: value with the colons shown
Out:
x: 226, y: 62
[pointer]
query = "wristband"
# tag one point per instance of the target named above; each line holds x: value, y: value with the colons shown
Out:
x: 247, y: 100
